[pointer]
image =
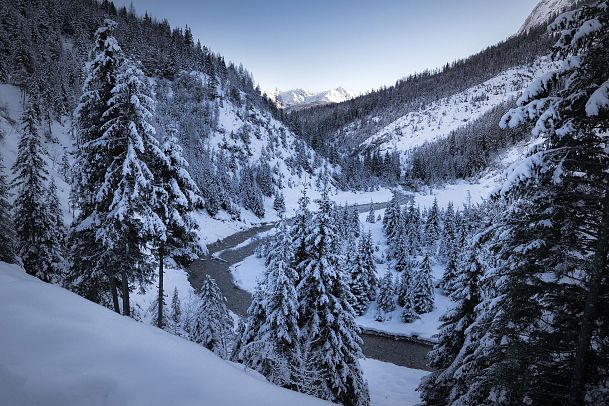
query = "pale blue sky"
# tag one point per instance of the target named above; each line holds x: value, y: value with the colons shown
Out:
x: 358, y: 44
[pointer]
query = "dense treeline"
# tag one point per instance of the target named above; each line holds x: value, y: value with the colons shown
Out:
x: 531, y: 322
x: 44, y: 44
x: 465, y: 152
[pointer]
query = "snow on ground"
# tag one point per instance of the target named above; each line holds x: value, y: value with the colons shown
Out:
x: 390, y: 384
x: 438, y: 119
x: 75, y: 352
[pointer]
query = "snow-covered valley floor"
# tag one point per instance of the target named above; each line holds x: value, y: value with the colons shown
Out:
x: 57, y: 348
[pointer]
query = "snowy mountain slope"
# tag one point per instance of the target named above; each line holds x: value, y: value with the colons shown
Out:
x: 301, y: 98
x: 78, y: 353
x: 544, y: 12
x: 439, y: 118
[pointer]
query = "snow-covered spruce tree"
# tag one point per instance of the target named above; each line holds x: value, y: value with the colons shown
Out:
x: 35, y: 225
x: 449, y: 232
x: 247, y: 349
x: 443, y: 385
x: 126, y: 199
x: 423, y: 287
x: 301, y: 225
x: 402, y: 257
x: 251, y: 197
x: 279, y: 202
x: 7, y: 232
x: 363, y: 282
x: 176, y: 197
x: 89, y: 274
x: 371, y: 218
x: 385, y: 299
x: 432, y: 225
x: 412, y: 229
x: 405, y: 292
x: 176, y: 313
x: 546, y: 340
x: 392, y: 217
x: 212, y: 324
x: 328, y: 329
x: 448, y: 282
x: 274, y: 348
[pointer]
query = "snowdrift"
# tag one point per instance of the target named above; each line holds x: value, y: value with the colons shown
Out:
x: 57, y: 348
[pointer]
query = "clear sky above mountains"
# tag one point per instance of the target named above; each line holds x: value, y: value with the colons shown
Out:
x: 358, y: 44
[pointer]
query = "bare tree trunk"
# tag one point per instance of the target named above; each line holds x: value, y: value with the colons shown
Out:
x: 599, y: 264
x: 125, y: 289
x: 114, y: 291
x: 159, y: 321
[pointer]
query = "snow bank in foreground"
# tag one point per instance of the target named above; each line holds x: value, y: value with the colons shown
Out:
x: 390, y: 384
x: 59, y: 349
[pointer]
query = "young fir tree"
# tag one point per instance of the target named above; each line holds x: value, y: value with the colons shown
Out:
x: 405, y: 294
x: 546, y: 324
x: 176, y: 197
x: 371, y: 218
x: 35, y: 225
x: 385, y: 299
x: 432, y: 225
x: 7, y: 232
x: 443, y: 386
x: 300, y: 228
x: 327, y: 320
x: 176, y: 313
x: 363, y: 281
x: 412, y: 229
x: 423, y: 287
x: 392, y: 218
x: 213, y: 324
x: 91, y: 272
x: 274, y: 348
x: 279, y: 202
x: 447, y: 240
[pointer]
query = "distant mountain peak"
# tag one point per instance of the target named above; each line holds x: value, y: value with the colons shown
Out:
x: 544, y: 12
x: 302, y: 98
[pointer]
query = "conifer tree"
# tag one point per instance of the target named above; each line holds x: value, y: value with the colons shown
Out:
x: 176, y: 313
x: 386, y: 297
x: 443, y: 386
x: 406, y: 295
x: 90, y: 273
x: 392, y: 218
x: 273, y: 348
x: 35, y: 225
x: 432, y: 224
x: 279, y: 202
x: 7, y: 232
x: 251, y: 195
x: 176, y: 197
x: 298, y: 231
x: 423, y: 287
x: 371, y: 218
x: 447, y: 240
x: 547, y: 310
x: 363, y: 282
x: 213, y: 324
x: 127, y: 194
x: 327, y: 320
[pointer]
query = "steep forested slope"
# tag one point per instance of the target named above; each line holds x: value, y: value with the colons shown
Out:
x: 229, y: 130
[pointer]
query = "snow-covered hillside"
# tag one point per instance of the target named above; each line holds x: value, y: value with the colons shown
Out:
x: 75, y: 352
x: 543, y: 12
x: 438, y: 119
x: 301, y: 98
